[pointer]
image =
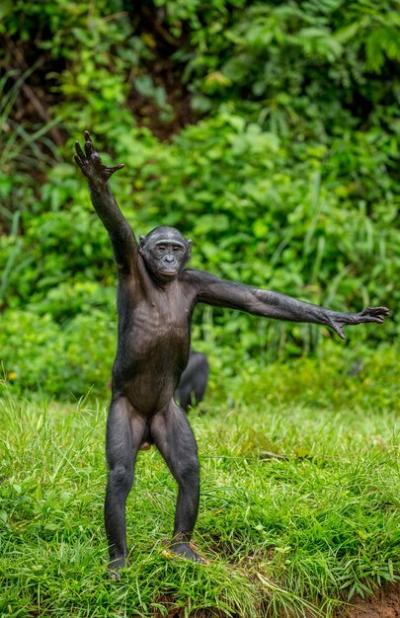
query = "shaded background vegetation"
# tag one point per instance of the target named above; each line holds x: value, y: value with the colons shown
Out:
x: 266, y: 131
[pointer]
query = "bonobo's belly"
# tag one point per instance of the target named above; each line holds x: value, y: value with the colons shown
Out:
x: 152, y: 353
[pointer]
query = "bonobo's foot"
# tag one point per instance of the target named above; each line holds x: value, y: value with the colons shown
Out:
x: 115, y: 566
x: 185, y: 551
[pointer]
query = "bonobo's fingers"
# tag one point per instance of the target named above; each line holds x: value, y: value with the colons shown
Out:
x: 83, y: 165
x: 91, y: 153
x: 90, y: 162
x: 374, y: 314
x: 79, y: 151
x: 337, y: 327
x: 109, y: 171
x: 79, y: 163
x: 89, y: 148
x: 115, y: 168
x: 375, y: 311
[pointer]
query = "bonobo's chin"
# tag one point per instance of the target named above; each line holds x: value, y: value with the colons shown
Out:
x: 167, y: 274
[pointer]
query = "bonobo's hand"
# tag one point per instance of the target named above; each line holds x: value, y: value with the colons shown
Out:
x: 371, y: 314
x: 91, y: 165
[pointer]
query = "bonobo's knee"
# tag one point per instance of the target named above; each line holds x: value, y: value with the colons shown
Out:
x: 189, y: 471
x: 120, y: 477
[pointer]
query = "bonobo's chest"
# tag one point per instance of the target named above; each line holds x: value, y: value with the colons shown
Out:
x: 153, y: 337
x: 160, y: 313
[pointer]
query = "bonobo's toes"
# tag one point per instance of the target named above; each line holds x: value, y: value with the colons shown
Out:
x: 185, y: 551
x: 114, y: 575
x: 115, y: 567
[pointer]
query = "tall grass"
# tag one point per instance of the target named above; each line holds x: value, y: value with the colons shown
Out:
x: 26, y: 152
x: 291, y: 536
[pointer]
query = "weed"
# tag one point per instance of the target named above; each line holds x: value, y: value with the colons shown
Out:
x: 293, y: 536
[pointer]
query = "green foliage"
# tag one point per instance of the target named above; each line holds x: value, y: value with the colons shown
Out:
x: 63, y: 361
x: 275, y: 543
x: 287, y: 179
x: 301, y: 61
x: 269, y: 133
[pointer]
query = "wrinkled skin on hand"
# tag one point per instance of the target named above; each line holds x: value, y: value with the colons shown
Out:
x: 370, y: 314
x: 90, y: 162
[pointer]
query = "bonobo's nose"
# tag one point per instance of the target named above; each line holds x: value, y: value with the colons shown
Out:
x: 169, y: 259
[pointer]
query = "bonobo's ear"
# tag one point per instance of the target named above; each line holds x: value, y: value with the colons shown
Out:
x: 142, y: 240
x: 189, y: 249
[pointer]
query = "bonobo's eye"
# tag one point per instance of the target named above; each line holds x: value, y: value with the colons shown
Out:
x: 161, y: 247
x: 176, y: 248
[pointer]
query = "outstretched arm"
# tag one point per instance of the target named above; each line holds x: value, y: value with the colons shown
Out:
x: 220, y: 293
x: 121, y: 236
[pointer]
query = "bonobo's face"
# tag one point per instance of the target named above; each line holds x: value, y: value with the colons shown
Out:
x: 165, y: 252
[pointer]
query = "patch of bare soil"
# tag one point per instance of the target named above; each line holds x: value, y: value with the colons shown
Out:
x: 385, y: 604
x: 149, y: 20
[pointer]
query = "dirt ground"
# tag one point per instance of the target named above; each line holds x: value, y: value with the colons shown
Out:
x: 385, y: 604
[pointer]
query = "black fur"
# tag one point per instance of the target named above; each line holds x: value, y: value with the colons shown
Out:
x: 156, y: 298
x: 193, y: 382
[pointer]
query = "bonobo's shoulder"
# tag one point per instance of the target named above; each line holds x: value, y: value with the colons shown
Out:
x: 196, y: 277
x: 189, y: 274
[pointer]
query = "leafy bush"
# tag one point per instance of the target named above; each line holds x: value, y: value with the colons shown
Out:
x: 61, y: 360
x: 287, y: 177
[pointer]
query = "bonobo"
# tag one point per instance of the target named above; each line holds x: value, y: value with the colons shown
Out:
x: 193, y: 381
x: 155, y: 299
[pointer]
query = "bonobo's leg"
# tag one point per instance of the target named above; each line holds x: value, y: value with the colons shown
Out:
x: 174, y: 438
x: 184, y: 396
x: 125, y: 429
x: 193, y: 382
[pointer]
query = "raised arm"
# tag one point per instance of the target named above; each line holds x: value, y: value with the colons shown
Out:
x: 221, y: 293
x: 121, y: 236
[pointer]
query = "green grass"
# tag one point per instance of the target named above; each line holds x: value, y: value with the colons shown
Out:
x: 292, y: 537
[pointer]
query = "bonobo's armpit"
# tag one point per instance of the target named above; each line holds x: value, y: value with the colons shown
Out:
x: 156, y: 297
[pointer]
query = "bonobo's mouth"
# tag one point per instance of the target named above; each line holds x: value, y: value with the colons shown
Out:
x: 167, y: 272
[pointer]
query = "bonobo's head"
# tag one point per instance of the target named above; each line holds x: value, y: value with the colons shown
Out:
x: 165, y: 252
